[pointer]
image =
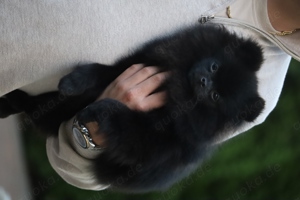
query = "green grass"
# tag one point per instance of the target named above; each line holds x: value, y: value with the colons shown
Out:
x: 262, y: 163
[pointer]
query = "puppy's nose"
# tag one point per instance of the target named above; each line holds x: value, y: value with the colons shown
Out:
x: 203, y: 82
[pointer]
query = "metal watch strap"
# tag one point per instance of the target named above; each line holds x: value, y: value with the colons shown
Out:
x: 87, y: 137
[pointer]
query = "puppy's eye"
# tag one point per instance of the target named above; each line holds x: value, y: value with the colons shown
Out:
x: 214, y: 67
x: 215, y: 96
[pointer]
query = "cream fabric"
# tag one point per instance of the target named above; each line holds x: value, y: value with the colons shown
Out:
x: 43, y: 40
x: 72, y: 167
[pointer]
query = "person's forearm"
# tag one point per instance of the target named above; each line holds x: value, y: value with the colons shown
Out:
x: 93, y: 131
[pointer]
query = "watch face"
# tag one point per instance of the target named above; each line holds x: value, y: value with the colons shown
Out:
x: 79, y: 138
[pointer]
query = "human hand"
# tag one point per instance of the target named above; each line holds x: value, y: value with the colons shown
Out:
x: 134, y: 88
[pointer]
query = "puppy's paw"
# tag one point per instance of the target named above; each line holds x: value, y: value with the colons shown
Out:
x: 73, y: 84
x: 81, y: 79
x: 14, y: 102
x: 5, y: 108
x: 101, y: 111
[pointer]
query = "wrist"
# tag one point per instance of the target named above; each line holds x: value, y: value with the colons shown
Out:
x: 82, y: 136
x: 97, y: 138
x: 67, y: 129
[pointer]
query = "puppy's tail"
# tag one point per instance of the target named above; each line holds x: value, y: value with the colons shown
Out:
x: 13, y: 102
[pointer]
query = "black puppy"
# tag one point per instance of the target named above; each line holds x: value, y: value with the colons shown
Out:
x: 212, y: 89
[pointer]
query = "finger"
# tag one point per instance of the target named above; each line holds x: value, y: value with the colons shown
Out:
x: 152, y: 101
x: 129, y: 72
x: 118, y: 83
x: 152, y: 83
x: 128, y: 86
x: 140, y: 76
x: 139, y: 92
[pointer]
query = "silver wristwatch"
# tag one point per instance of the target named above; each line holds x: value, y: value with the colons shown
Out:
x: 82, y: 136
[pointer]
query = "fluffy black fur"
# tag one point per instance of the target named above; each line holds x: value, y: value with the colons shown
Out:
x: 212, y: 89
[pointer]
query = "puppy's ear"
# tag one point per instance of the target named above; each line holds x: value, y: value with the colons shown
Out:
x: 253, y: 108
x: 250, y: 54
